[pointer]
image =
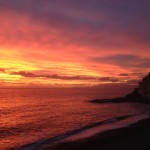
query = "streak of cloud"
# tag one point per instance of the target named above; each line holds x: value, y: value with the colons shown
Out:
x: 52, y: 76
x: 108, y: 79
x: 124, y: 60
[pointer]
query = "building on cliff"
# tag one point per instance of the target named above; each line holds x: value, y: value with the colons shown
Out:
x: 144, y: 87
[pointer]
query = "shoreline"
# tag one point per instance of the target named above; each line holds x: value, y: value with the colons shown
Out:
x: 133, y: 137
x: 89, y: 128
x: 86, y: 132
x: 86, y: 137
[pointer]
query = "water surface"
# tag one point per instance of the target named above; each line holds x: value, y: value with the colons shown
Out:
x: 29, y: 115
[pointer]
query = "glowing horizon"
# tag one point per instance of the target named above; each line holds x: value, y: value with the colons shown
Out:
x: 62, y: 43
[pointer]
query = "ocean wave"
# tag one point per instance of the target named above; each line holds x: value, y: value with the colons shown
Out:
x: 53, y: 140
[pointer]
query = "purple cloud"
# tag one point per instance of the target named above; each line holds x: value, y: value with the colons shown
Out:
x: 106, y: 20
x: 124, y: 75
x: 51, y: 76
x: 128, y: 61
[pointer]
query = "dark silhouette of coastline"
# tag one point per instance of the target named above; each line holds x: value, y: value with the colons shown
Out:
x: 134, y: 97
x: 139, y: 95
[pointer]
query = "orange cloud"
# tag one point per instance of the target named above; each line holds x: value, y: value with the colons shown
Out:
x: 67, y: 41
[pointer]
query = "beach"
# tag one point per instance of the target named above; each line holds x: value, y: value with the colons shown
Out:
x: 132, y: 137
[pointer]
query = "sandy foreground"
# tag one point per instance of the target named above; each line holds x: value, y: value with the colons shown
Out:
x: 133, y: 137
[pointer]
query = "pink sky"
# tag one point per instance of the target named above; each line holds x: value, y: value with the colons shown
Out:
x: 61, y: 43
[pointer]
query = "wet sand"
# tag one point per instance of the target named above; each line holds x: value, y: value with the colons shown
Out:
x: 133, y: 137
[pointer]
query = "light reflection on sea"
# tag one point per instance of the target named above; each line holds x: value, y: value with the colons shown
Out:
x: 27, y: 115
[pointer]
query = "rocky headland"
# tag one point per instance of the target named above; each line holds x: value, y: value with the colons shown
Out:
x: 139, y: 95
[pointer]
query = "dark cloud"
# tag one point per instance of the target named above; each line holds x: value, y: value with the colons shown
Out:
x: 106, y: 20
x: 124, y: 74
x: 61, y: 77
x: 139, y: 74
x: 24, y: 74
x: 124, y: 61
x: 108, y: 79
x: 134, y: 74
x: 53, y: 76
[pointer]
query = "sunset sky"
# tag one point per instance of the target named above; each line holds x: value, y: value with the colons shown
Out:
x: 73, y: 42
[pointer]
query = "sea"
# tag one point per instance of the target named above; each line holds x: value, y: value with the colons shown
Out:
x: 32, y: 118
